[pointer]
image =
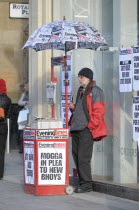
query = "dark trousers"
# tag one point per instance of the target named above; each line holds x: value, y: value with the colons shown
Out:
x: 3, y: 138
x: 82, y: 148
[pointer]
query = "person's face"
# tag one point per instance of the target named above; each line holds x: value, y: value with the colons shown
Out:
x: 83, y: 81
x: 25, y: 87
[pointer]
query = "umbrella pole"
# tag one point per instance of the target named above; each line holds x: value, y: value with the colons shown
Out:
x: 53, y: 105
x: 53, y: 79
x: 66, y: 87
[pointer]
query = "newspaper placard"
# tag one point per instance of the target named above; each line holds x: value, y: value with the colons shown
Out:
x: 136, y: 118
x: 29, y: 134
x: 51, y: 163
x: 125, y: 70
x: 136, y: 68
x: 63, y: 109
x: 51, y: 93
x: 56, y: 61
x: 29, y: 161
x: 69, y: 78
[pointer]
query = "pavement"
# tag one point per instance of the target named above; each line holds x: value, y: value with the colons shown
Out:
x: 12, y: 196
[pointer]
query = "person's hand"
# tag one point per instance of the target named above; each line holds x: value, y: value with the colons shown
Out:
x: 71, y: 105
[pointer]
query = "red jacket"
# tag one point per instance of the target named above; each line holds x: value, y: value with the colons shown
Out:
x: 93, y: 105
x: 5, y: 103
x: 96, y: 110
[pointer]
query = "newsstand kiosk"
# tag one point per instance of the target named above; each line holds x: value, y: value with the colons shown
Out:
x: 46, y: 162
x: 46, y: 155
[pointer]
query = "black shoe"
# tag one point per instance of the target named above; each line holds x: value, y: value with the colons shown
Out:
x: 20, y: 151
x: 83, y: 189
x: 1, y: 178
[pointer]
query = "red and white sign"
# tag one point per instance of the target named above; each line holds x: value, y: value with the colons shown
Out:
x: 51, y: 134
x: 51, y: 163
x: 29, y: 161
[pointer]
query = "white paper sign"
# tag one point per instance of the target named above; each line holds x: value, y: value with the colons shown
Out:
x: 19, y: 10
x: 51, y: 163
x: 136, y: 118
x: 51, y: 93
x: 29, y: 161
x: 125, y: 70
x: 22, y: 117
x: 136, y: 68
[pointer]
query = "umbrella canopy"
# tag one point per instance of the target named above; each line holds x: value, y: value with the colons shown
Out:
x: 65, y: 35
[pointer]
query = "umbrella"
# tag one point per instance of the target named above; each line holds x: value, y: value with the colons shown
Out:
x: 65, y: 35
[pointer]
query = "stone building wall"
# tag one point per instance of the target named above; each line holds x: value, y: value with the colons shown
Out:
x: 13, y: 62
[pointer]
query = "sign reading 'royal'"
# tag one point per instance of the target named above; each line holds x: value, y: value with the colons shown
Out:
x: 19, y: 10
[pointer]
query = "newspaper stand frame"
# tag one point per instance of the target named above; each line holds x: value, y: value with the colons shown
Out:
x: 32, y: 139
